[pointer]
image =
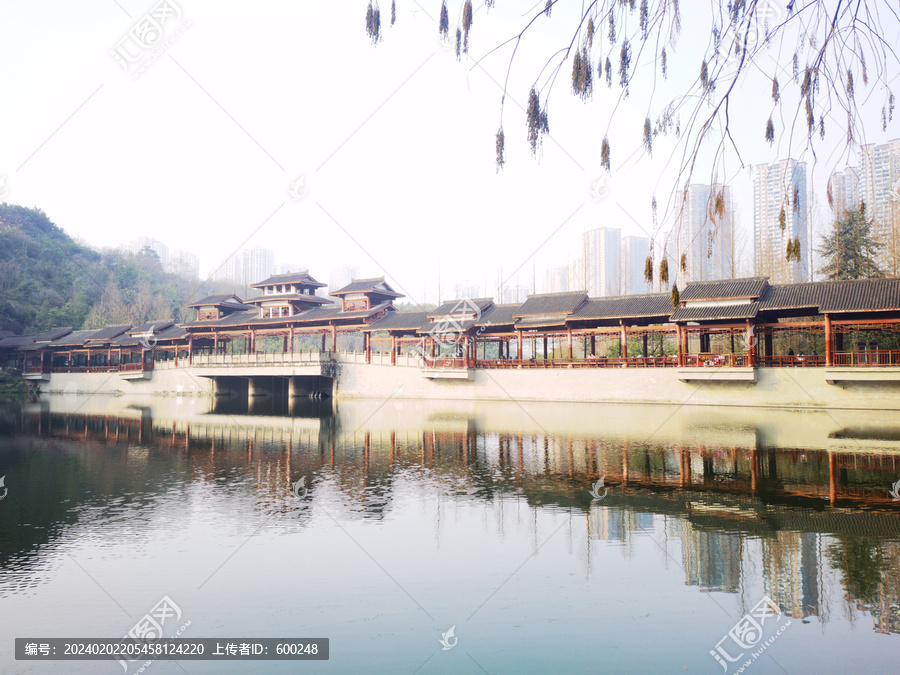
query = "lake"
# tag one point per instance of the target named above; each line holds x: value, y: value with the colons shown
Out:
x: 465, y: 537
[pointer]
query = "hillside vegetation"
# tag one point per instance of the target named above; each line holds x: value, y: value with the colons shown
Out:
x: 48, y: 279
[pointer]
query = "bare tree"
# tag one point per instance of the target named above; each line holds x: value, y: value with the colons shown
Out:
x: 828, y: 58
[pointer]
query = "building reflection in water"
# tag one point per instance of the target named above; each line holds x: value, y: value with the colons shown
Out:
x: 745, y: 516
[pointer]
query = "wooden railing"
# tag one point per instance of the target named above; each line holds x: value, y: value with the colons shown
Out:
x: 596, y: 362
x: 133, y: 367
x: 789, y: 361
x: 717, y: 360
x: 453, y: 362
x: 262, y: 359
x: 872, y: 357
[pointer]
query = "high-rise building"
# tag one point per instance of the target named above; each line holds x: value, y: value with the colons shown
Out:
x: 513, y: 293
x: 247, y: 266
x: 183, y: 264
x: 879, y: 188
x: 174, y: 261
x: 779, y: 193
x: 149, y: 243
x: 557, y: 280
x: 634, y: 257
x: 292, y: 268
x: 791, y: 572
x: 844, y: 189
x: 704, y: 235
x: 711, y: 560
x: 465, y: 289
x: 339, y: 277
x: 575, y: 279
x: 602, y: 250
x: 259, y: 264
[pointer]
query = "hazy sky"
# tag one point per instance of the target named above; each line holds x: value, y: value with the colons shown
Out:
x: 395, y: 142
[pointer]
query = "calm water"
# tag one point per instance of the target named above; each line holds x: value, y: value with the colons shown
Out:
x: 415, y: 517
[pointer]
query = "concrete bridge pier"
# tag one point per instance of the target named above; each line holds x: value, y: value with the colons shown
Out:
x: 229, y: 386
x: 260, y: 386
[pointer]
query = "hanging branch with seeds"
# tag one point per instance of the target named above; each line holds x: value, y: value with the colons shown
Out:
x: 831, y: 54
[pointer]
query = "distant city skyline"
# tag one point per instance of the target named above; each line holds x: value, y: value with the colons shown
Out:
x: 611, y: 262
x: 173, y: 261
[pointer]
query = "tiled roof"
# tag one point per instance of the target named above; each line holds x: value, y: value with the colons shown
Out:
x: 752, y: 287
x: 301, y: 278
x: 75, y: 338
x: 793, y: 296
x: 155, y: 326
x: 224, y: 299
x: 334, y: 312
x: 399, y: 321
x: 551, y: 303
x: 442, y: 326
x: 29, y: 341
x: 462, y: 307
x: 237, y: 318
x: 173, y: 332
x: 744, y: 310
x: 861, y: 295
x: 542, y: 320
x: 108, y: 333
x: 625, y: 306
x: 498, y: 315
x: 296, y: 297
x: 377, y: 285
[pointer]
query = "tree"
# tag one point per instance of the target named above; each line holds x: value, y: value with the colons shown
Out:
x: 850, y: 250
x: 813, y: 60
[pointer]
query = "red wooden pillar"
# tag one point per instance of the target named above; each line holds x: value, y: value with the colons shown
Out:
x: 190, y: 350
x: 393, y: 350
x: 323, y: 341
x: 832, y: 478
x: 252, y: 341
x: 215, y: 343
x: 623, y: 339
x: 750, y: 345
x: 519, y: 345
x: 680, y: 342
x: 367, y: 339
x: 829, y: 342
x: 569, y: 337
x: 291, y: 339
x: 333, y: 338
x: 754, y: 470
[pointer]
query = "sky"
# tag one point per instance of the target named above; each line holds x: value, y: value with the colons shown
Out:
x: 393, y: 145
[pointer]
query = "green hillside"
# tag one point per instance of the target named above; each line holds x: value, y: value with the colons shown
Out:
x: 47, y: 279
